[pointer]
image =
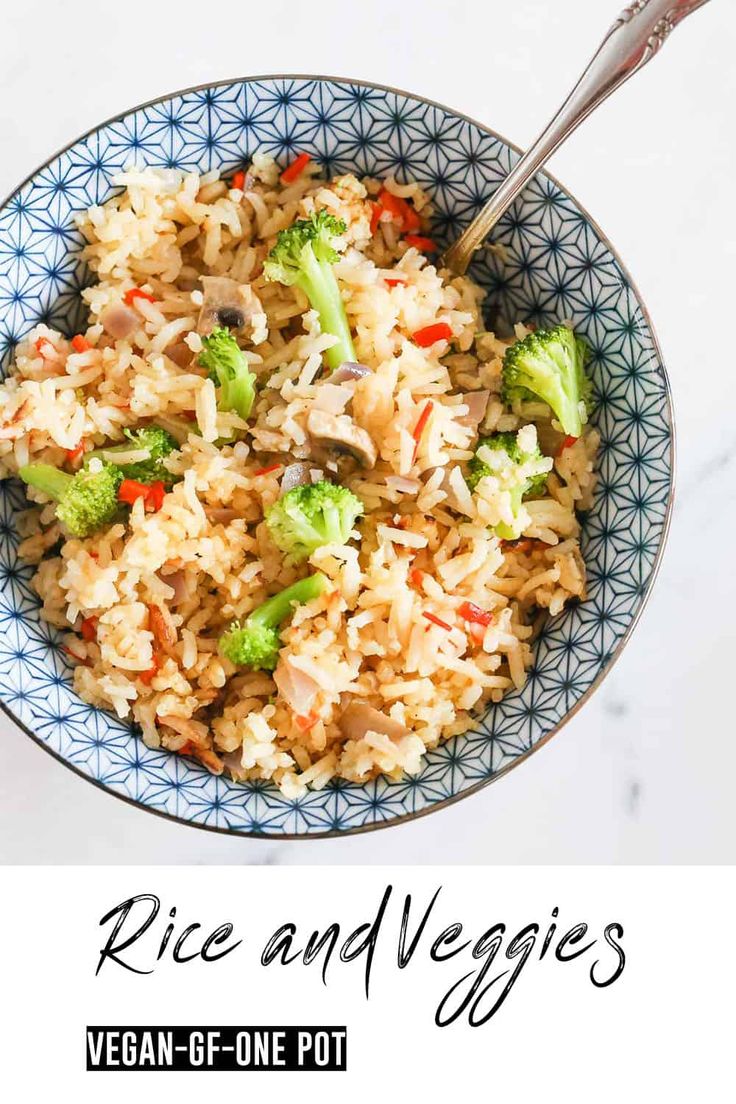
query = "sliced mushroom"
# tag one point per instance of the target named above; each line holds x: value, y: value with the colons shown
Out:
x: 359, y: 718
x: 119, y: 321
x: 226, y: 303
x: 477, y: 404
x: 339, y: 432
x: 221, y: 515
x: 222, y: 304
x: 180, y: 353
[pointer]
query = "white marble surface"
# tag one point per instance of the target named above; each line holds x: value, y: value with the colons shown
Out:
x: 645, y: 773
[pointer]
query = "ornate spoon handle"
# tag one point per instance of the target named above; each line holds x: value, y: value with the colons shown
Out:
x: 634, y: 38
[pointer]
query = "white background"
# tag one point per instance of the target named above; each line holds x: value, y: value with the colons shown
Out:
x: 645, y: 773
x: 662, y: 1032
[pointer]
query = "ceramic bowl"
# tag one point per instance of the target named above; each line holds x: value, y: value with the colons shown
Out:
x: 557, y: 265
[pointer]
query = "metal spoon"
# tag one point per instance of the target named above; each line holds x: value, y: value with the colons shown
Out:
x: 634, y: 38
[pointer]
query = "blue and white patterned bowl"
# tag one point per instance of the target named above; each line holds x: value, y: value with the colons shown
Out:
x: 559, y: 265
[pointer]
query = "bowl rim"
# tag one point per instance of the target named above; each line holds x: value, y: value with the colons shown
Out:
x: 481, y: 784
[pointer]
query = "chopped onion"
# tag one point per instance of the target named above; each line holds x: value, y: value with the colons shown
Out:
x: 295, y: 475
x: 403, y: 485
x: 179, y: 583
x: 446, y: 485
x: 477, y: 404
x: 349, y: 370
x: 359, y: 718
x: 234, y: 763
x: 296, y: 688
x: 119, y: 321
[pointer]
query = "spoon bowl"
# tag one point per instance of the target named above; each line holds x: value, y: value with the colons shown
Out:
x: 632, y: 40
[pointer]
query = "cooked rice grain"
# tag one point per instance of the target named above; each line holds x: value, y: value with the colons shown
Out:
x: 389, y: 634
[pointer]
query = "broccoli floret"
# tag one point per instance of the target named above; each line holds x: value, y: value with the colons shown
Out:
x: 510, y: 473
x: 303, y: 256
x: 158, y: 443
x: 228, y: 368
x: 550, y: 365
x: 256, y: 642
x: 311, y: 515
x: 86, y: 501
x: 509, y: 444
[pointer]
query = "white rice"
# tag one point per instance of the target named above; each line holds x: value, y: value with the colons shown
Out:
x: 389, y: 633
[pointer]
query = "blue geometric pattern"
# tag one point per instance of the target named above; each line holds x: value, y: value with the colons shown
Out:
x: 557, y: 265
